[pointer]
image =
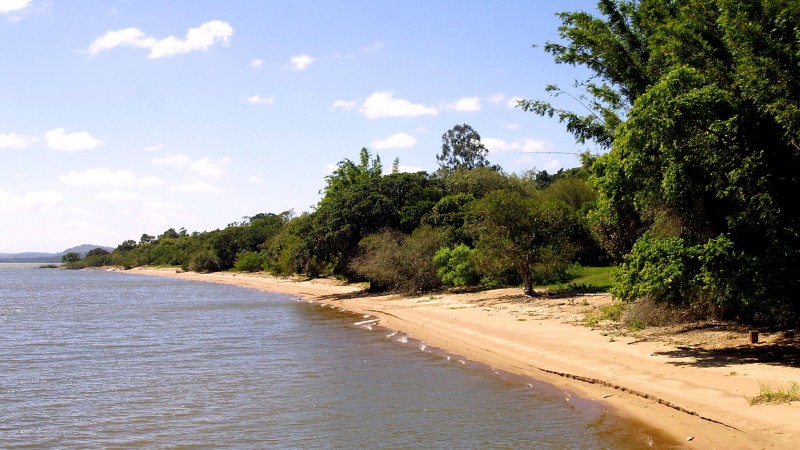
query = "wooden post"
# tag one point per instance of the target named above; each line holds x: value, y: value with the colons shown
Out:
x: 754, y: 337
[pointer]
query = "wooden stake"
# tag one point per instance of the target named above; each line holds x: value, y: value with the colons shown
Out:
x: 754, y: 337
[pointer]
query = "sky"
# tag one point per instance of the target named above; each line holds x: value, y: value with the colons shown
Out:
x: 124, y: 117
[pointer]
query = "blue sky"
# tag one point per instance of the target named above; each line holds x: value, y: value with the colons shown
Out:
x: 124, y: 117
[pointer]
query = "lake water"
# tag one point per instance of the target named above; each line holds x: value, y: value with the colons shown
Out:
x: 95, y: 359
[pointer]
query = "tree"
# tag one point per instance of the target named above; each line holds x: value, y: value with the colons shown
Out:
x: 96, y: 252
x: 70, y: 258
x: 699, y: 104
x: 523, y: 232
x: 462, y: 149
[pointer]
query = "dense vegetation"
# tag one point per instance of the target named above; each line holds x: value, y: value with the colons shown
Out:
x: 697, y: 103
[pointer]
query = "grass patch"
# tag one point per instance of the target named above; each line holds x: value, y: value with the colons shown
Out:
x: 584, y: 280
x: 770, y: 396
x: 611, y: 312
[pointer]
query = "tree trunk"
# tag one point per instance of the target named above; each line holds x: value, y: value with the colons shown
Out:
x: 525, y: 271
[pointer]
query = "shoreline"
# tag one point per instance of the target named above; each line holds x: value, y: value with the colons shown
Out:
x: 693, y: 397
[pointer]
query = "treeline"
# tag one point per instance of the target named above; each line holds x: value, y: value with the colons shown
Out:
x: 468, y: 224
x: 697, y: 106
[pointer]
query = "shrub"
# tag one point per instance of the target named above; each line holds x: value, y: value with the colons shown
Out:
x: 393, y: 260
x: 249, y: 262
x: 456, y: 266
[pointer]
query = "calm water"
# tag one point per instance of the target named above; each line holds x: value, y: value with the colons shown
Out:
x: 107, y: 360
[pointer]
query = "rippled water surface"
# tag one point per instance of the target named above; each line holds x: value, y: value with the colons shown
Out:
x: 108, y: 360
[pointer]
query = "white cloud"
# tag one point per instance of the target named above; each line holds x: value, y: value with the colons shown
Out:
x: 259, y: 100
x: 153, y: 148
x: 301, y: 62
x: 208, y: 167
x: 32, y: 201
x: 466, y: 104
x: 513, y: 126
x: 118, y: 196
x: 256, y: 63
x: 373, y: 47
x: 330, y: 168
x: 344, y: 104
x: 58, y: 139
x: 7, y: 6
x: 398, y: 140
x: 14, y: 140
x: 127, y: 37
x: 409, y: 169
x: 514, y: 101
x: 383, y: 104
x: 496, y: 99
x: 200, y: 38
x: 524, y: 145
x: 196, y: 186
x: 99, y: 177
x: 176, y: 160
x: 532, y: 145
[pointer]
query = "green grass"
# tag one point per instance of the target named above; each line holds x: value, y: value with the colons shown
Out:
x: 773, y: 397
x: 585, y: 280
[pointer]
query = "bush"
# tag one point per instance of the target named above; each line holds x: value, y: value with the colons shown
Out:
x: 204, y: 261
x: 456, y: 266
x: 391, y: 260
x: 249, y: 262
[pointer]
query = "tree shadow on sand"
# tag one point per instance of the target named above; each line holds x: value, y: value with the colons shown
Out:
x: 783, y: 352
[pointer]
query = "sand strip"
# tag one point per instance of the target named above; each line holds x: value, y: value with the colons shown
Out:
x: 696, y: 397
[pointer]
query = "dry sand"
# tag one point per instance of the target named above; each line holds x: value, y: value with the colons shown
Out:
x: 693, y: 391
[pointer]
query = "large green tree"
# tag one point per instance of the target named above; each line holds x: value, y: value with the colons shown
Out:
x: 699, y: 104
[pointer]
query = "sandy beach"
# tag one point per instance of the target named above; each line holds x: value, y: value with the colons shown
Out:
x: 695, y: 393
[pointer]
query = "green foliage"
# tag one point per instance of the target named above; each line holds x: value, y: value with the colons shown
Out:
x: 611, y: 312
x: 662, y: 269
x: 462, y: 150
x: 523, y: 232
x: 699, y: 103
x: 770, y: 396
x: 71, y: 257
x: 249, y: 262
x: 395, y: 261
x: 456, y: 266
x: 204, y: 261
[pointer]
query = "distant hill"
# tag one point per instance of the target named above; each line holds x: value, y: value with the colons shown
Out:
x: 38, y: 257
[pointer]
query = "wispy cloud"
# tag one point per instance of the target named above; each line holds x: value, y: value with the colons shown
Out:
x: 14, y: 140
x: 465, y: 104
x: 32, y: 201
x: 196, y: 186
x: 256, y: 63
x: 301, y: 62
x: 344, y: 104
x: 175, y: 160
x: 524, y: 145
x: 258, y: 100
x: 99, y: 177
x: 10, y: 6
x: 59, y: 139
x: 200, y: 38
x: 373, y: 47
x: 383, y: 104
x: 209, y: 167
x: 398, y: 140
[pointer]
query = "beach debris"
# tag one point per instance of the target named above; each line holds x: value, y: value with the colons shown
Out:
x: 690, y: 438
x: 391, y: 334
x: 607, y: 395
